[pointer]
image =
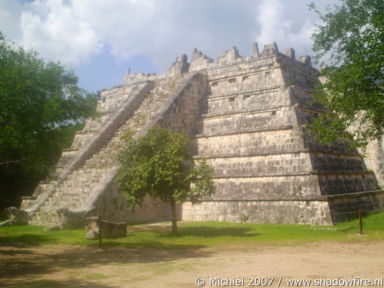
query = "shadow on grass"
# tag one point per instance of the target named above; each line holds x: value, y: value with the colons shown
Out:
x: 212, y: 232
x: 201, y: 231
x: 145, y: 244
x: 24, y: 240
x: 54, y: 284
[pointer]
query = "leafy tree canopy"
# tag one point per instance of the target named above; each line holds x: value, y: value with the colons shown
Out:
x: 40, y: 108
x: 350, y: 41
x: 160, y: 165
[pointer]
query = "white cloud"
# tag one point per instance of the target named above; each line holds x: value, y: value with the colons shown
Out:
x: 276, y: 27
x: 72, y: 31
x: 58, y: 33
x: 127, y: 26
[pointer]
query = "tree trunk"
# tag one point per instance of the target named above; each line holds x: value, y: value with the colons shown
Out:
x: 174, y: 217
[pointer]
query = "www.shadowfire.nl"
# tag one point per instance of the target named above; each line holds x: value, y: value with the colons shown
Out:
x: 336, y: 282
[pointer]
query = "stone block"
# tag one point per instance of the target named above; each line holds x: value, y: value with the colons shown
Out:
x: 108, y: 229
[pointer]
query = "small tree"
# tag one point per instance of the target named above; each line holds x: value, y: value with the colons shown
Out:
x: 160, y: 165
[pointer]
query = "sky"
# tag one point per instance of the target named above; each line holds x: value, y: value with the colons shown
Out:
x: 101, y: 40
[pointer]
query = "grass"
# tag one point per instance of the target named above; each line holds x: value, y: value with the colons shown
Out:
x: 201, y: 234
x: 36, y: 235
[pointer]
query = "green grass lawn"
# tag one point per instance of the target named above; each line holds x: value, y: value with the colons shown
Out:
x: 201, y: 234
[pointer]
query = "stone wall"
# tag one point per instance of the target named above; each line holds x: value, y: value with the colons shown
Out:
x: 253, y: 143
x: 261, y: 165
x: 281, y: 187
x: 261, y: 120
x: 274, y: 212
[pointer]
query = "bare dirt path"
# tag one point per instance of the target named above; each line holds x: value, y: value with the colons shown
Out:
x: 57, y: 266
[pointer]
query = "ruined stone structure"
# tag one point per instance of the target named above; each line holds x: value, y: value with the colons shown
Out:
x: 247, y: 115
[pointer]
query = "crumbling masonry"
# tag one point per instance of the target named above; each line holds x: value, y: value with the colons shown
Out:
x: 247, y: 115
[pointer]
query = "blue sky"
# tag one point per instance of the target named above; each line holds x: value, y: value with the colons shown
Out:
x: 100, y: 40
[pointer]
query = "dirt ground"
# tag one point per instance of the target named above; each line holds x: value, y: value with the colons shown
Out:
x: 79, y: 267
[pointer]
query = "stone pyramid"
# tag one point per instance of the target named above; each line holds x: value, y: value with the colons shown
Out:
x: 247, y: 115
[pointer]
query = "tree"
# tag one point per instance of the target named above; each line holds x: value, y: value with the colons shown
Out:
x: 160, y: 165
x: 40, y: 109
x: 350, y: 41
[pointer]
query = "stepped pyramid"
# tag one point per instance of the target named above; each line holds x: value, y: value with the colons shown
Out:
x: 247, y: 115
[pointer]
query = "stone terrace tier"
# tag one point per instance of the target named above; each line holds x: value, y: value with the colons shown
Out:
x: 253, y: 133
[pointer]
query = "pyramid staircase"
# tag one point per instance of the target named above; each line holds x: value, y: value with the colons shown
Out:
x: 89, y: 165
